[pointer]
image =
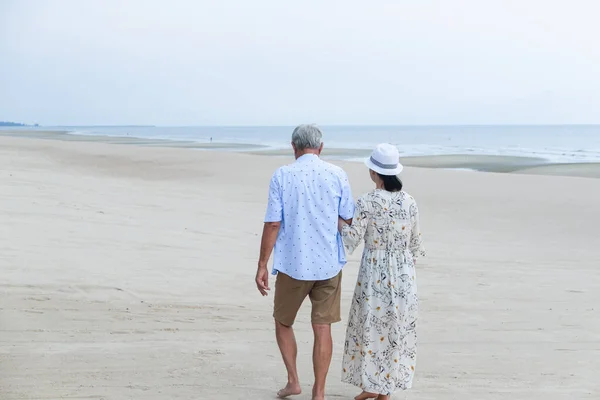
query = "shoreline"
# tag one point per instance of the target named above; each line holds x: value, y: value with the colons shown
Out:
x: 469, y: 162
x: 69, y: 136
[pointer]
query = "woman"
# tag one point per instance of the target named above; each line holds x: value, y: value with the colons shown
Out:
x: 380, y: 348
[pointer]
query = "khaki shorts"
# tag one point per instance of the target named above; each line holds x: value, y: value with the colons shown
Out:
x: 325, y: 297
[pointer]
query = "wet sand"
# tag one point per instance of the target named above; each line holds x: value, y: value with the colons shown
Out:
x: 485, y: 163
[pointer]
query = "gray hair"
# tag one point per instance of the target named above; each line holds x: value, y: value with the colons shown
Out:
x: 307, y: 137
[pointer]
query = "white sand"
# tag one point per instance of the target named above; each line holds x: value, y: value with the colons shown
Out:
x: 127, y: 273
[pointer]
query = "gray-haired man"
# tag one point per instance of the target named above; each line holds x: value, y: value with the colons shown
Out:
x: 301, y: 225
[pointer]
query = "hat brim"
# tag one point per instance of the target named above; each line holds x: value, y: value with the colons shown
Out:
x: 383, y: 171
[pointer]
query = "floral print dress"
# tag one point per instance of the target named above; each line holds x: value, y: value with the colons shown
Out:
x: 381, y: 341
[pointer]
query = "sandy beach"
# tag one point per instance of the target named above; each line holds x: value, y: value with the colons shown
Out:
x: 128, y: 273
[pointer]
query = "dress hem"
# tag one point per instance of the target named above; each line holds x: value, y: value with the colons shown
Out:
x: 374, y: 390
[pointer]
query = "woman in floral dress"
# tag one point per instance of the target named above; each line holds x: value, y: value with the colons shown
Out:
x: 381, y: 341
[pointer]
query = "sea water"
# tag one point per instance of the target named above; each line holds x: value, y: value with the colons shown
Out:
x: 555, y: 143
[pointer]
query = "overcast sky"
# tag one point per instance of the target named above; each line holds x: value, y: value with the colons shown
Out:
x: 271, y: 62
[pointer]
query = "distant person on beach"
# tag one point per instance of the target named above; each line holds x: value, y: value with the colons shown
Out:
x: 306, y: 199
x: 381, y: 342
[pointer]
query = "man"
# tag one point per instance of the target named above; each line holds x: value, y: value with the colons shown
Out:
x: 301, y: 224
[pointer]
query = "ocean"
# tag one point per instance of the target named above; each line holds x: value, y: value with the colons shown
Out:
x: 554, y: 143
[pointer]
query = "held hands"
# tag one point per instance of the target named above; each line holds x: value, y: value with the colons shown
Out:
x: 262, y: 279
x: 342, y: 222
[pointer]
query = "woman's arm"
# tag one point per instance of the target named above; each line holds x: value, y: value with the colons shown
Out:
x: 353, y: 230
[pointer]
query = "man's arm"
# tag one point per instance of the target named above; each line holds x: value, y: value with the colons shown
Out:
x: 267, y: 243
x: 269, y: 236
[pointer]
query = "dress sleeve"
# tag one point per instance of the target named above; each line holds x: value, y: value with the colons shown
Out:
x: 354, y: 234
x: 416, y: 242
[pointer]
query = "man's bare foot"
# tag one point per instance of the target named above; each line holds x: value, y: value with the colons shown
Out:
x: 289, y: 390
x: 366, y: 395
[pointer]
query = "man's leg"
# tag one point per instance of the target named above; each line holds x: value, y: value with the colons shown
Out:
x: 289, y: 351
x: 322, y: 352
x: 289, y: 295
x: 325, y: 297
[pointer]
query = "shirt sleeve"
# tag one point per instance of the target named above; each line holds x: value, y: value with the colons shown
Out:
x: 353, y: 235
x: 275, y: 204
x: 346, y: 209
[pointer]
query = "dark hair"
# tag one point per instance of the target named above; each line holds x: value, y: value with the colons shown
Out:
x: 391, y: 183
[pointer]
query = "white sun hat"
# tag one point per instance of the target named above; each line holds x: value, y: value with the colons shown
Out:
x: 385, y: 160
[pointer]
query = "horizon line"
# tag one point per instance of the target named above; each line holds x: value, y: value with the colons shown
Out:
x: 292, y: 126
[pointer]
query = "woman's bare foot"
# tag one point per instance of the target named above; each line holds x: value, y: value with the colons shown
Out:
x: 289, y: 390
x: 383, y: 397
x: 366, y: 395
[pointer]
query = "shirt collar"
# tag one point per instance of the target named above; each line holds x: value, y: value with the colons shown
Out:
x: 307, y: 157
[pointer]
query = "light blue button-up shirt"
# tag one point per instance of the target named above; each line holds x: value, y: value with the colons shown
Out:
x: 307, y: 197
